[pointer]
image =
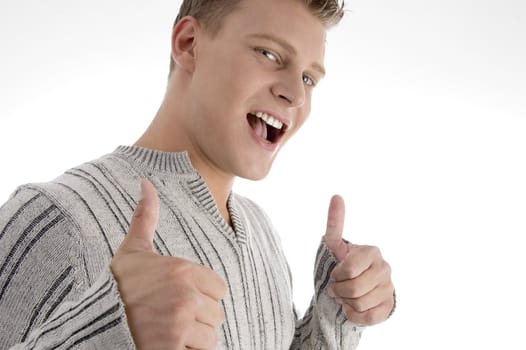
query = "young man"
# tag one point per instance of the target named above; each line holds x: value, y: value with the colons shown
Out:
x: 89, y: 260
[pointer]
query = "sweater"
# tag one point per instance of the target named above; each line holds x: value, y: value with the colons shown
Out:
x: 57, y: 240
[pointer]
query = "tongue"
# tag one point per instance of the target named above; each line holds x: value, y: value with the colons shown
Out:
x: 260, y: 127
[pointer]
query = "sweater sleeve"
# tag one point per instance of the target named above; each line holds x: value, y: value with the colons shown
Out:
x: 46, y: 298
x: 324, y: 325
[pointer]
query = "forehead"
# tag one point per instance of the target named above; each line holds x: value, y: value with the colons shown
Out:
x: 289, y: 20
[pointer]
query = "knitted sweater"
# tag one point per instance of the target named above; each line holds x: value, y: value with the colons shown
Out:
x: 57, y: 240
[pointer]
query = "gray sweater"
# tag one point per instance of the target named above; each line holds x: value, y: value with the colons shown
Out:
x: 57, y: 240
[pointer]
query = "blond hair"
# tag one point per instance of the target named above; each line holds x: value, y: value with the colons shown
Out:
x: 210, y: 13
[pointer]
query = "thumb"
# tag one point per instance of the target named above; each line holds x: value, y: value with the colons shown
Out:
x: 334, y: 231
x: 144, y: 221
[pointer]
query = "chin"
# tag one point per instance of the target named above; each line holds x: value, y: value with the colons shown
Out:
x: 253, y: 166
x: 254, y: 177
x: 254, y: 174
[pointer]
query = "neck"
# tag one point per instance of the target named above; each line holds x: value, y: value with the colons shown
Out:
x: 219, y: 185
x: 166, y: 134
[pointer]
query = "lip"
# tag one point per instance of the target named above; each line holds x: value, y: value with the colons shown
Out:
x: 270, y: 146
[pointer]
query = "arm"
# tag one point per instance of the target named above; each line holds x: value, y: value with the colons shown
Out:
x: 324, y: 325
x: 46, y: 300
x: 353, y: 286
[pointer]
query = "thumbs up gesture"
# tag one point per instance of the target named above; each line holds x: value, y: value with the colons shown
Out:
x: 171, y: 303
x: 361, y: 282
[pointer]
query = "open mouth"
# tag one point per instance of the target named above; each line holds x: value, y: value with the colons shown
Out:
x: 266, y: 127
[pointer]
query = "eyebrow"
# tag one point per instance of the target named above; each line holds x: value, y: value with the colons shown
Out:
x: 288, y: 47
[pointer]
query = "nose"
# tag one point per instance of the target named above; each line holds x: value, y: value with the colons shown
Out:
x: 290, y: 90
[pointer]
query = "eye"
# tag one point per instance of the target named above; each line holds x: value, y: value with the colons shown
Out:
x: 269, y: 55
x: 308, y: 80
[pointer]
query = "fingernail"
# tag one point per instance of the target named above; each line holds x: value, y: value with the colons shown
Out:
x: 141, y: 190
x: 330, y: 292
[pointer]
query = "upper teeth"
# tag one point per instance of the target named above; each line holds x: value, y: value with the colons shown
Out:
x: 270, y: 120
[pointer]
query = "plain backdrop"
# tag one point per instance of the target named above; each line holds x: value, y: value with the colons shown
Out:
x: 420, y: 124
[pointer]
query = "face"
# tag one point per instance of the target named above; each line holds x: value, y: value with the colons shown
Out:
x: 252, y: 85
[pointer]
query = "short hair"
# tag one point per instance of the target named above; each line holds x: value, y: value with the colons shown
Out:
x: 210, y: 13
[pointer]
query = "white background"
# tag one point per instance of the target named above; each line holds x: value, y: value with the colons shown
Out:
x: 420, y: 125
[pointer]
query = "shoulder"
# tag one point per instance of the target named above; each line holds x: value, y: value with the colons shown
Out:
x: 87, y: 188
x: 37, y: 234
x: 88, y: 196
x: 83, y: 213
x: 27, y: 207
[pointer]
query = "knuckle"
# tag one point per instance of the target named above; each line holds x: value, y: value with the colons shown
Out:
x: 191, y: 301
x: 182, y: 321
x: 352, y: 271
x: 358, y: 313
x: 211, y: 340
x: 348, y: 311
x: 374, y: 251
x: 348, y: 269
x: 386, y: 290
x: 372, y: 316
x: 221, y: 317
x: 358, y: 305
x: 176, y: 308
x: 217, y: 314
x: 387, y: 268
x: 351, y: 289
x: 181, y: 270
x: 184, y: 305
x: 224, y: 286
x: 223, y: 289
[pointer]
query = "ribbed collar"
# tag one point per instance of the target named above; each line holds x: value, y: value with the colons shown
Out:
x: 171, y: 162
x: 179, y: 163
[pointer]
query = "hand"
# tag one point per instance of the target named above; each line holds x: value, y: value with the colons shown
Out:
x: 361, y: 282
x: 171, y: 303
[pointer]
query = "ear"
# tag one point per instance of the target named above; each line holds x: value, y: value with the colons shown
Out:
x: 184, y: 42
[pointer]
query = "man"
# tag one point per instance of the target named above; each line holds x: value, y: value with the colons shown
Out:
x: 89, y: 260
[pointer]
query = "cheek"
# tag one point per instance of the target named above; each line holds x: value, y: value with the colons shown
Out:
x: 230, y: 79
x: 302, y: 116
x: 304, y: 113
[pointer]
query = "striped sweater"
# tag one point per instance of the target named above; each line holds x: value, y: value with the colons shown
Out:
x: 57, y: 240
